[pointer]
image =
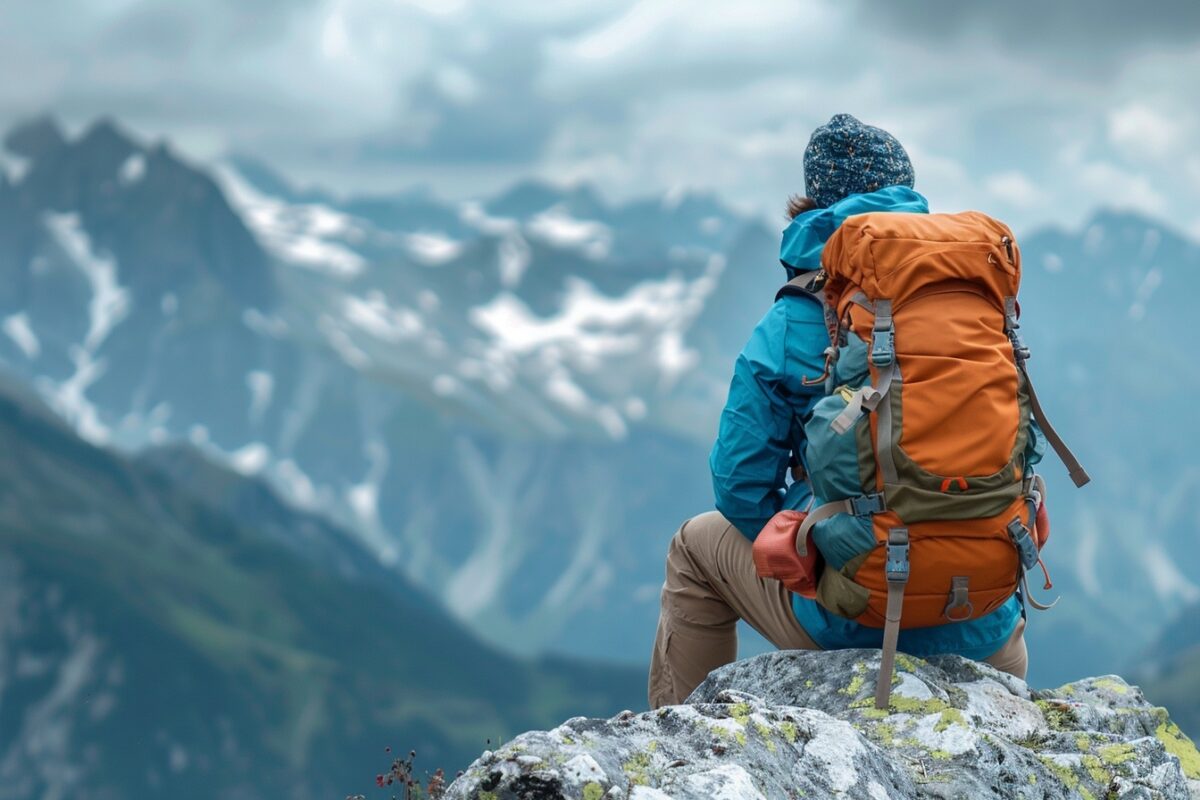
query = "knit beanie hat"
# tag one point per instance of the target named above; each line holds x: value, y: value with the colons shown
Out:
x: 846, y: 157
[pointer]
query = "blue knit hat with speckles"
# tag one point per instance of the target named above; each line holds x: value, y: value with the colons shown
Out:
x: 846, y: 157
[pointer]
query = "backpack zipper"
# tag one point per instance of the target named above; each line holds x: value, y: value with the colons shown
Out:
x: 1008, y: 248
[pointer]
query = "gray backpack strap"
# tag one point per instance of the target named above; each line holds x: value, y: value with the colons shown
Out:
x: 1074, y: 468
x: 810, y: 283
x: 1021, y: 352
x: 897, y: 578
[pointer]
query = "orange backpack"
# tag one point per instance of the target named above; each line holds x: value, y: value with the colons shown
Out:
x: 919, y: 453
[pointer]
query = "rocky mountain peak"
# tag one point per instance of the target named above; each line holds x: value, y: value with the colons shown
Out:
x: 35, y: 138
x: 803, y: 724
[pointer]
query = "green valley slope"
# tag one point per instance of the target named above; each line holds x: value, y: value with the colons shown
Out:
x: 153, y: 642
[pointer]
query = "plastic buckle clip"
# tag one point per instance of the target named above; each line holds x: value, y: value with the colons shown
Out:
x: 867, y: 505
x: 883, y: 345
x: 1020, y: 349
x: 1026, y: 548
x: 897, y: 556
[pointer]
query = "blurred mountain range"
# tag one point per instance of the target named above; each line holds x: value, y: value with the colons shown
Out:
x: 509, y: 402
x: 169, y: 627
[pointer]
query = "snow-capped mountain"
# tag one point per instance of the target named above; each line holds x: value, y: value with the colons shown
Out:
x: 511, y: 400
x: 475, y: 388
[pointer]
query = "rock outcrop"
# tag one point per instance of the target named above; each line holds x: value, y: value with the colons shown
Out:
x: 803, y: 724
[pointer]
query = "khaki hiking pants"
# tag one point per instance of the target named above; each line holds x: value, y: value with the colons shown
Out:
x: 711, y: 583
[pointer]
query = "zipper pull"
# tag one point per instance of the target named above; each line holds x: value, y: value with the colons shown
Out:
x: 1008, y: 248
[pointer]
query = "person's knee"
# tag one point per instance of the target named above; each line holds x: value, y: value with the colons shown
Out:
x: 700, y: 534
x: 692, y: 556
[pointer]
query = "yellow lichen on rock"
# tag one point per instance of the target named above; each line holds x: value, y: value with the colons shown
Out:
x: 1179, y: 745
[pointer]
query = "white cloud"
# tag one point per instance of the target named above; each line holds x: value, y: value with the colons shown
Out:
x: 635, y: 95
x: 1013, y: 187
x: 457, y: 84
x: 707, y: 38
x: 1106, y: 184
x: 1142, y: 131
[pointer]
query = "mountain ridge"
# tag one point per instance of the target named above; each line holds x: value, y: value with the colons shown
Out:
x: 163, y: 644
x: 416, y: 380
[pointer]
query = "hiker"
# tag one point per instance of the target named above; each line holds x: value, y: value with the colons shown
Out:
x: 794, y: 408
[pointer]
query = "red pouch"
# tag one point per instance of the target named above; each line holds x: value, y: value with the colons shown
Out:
x: 1042, y: 527
x: 776, y: 555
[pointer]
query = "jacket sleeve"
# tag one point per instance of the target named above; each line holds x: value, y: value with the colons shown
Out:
x: 750, y: 459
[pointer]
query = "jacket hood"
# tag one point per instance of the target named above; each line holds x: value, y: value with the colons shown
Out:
x: 805, y: 236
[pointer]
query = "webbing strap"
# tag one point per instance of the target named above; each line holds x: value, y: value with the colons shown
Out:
x: 883, y: 438
x: 860, y: 299
x: 1021, y: 354
x: 883, y: 335
x: 866, y: 398
x: 1030, y: 599
x: 886, y: 376
x: 804, y: 283
x: 858, y: 506
x: 1074, y: 468
x: 897, y: 577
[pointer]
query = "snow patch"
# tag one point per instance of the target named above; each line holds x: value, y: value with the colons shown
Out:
x: 432, y: 249
x: 19, y: 330
x: 596, y: 348
x: 251, y: 459
x: 132, y: 170
x: 1144, y: 292
x: 1169, y: 583
x: 198, y: 435
x: 304, y: 235
x: 110, y: 302
x: 363, y: 498
x: 260, y: 323
x: 69, y: 398
x: 14, y: 166
x: 373, y: 315
x: 342, y: 344
x: 261, y: 385
x: 612, y: 423
x: 561, y: 389
x: 514, y: 257
x: 513, y: 253
x: 298, y: 486
x: 557, y: 227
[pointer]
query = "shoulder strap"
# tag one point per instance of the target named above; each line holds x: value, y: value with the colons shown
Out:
x: 1021, y: 353
x: 810, y: 283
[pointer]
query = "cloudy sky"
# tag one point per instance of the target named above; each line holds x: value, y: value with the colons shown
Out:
x: 1034, y: 111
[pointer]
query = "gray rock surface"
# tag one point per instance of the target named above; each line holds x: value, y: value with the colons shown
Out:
x: 803, y: 725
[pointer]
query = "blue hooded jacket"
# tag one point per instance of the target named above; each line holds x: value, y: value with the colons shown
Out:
x: 760, y: 428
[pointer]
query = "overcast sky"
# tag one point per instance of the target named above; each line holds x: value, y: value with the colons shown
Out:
x: 1034, y: 111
